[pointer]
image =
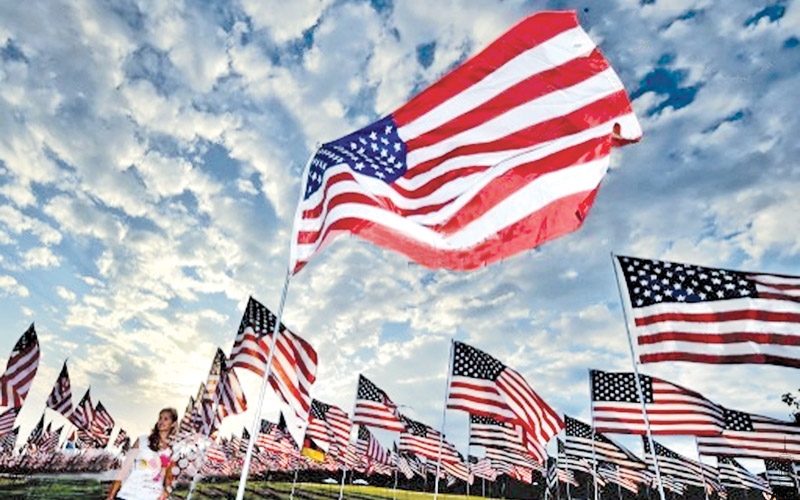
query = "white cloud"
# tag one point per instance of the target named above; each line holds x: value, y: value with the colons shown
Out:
x: 40, y: 257
x: 10, y: 286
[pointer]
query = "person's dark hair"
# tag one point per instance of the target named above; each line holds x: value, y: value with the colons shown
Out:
x: 153, y: 439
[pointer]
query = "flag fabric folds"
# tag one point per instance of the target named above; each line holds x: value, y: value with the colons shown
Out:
x: 733, y: 475
x: 294, y: 363
x: 482, y: 385
x: 328, y: 425
x: 374, y: 408
x: 424, y: 441
x: 83, y: 414
x: 753, y: 436
x: 504, y: 153
x: 780, y: 473
x: 16, y: 381
x: 684, y: 470
x: 683, y: 312
x: 369, y: 447
x: 7, y: 419
x: 583, y: 442
x: 671, y: 409
x: 60, y: 398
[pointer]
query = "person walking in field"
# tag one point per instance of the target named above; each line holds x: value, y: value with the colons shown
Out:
x: 146, y: 473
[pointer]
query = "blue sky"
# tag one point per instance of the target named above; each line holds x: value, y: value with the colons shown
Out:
x: 150, y: 159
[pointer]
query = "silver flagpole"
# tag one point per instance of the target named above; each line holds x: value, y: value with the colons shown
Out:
x: 702, y: 470
x: 638, y: 382
x: 469, y: 435
x: 294, y: 482
x: 344, y: 462
x: 264, y: 382
x: 594, y: 437
x: 444, y: 416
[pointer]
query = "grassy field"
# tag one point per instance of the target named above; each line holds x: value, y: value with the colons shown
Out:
x: 73, y: 489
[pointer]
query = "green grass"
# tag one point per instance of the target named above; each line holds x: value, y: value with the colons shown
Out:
x: 18, y: 488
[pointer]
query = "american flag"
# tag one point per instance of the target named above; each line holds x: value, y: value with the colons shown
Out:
x: 8, y: 439
x: 122, y: 436
x: 16, y: 381
x: 294, y: 364
x: 482, y: 468
x: 373, y: 407
x: 781, y: 473
x: 7, y: 419
x: 733, y: 475
x: 60, y: 398
x: 490, y: 433
x: 102, y: 424
x: 671, y: 409
x: 482, y: 385
x: 566, y: 465
x: 424, y: 441
x: 229, y: 391
x: 37, y: 433
x: 502, y: 154
x: 328, y: 424
x: 275, y: 438
x: 403, y: 464
x: 83, y: 414
x: 753, y: 436
x: 685, y: 470
x: 369, y: 447
x: 612, y: 473
x: 684, y: 312
x: 587, y: 444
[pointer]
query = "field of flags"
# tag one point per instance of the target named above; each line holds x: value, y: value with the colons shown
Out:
x: 511, y: 428
x: 432, y: 181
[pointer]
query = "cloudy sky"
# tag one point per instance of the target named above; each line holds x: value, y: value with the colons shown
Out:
x: 150, y: 161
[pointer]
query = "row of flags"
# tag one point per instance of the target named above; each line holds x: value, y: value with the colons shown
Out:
x: 92, y: 425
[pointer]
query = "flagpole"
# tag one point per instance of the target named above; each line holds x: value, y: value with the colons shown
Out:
x: 344, y: 469
x: 702, y: 471
x: 638, y: 381
x: 214, y: 410
x: 264, y: 382
x: 294, y: 482
x: 594, y: 436
x: 444, y: 417
x: 469, y: 435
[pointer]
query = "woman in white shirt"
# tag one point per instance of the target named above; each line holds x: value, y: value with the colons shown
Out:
x: 146, y: 473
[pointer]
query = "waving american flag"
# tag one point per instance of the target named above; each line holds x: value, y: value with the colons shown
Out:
x: 505, y: 152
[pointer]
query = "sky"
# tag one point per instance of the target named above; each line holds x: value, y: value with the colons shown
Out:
x: 150, y: 162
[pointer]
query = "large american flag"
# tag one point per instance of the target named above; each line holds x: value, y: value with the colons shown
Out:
x: 482, y: 385
x: 294, y: 364
x: 684, y: 312
x: 60, y: 398
x: 753, y: 436
x: 505, y: 152
x: 374, y: 408
x: 16, y: 381
x: 671, y: 409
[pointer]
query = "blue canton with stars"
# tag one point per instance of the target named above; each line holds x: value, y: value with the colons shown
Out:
x: 376, y: 150
x: 651, y: 281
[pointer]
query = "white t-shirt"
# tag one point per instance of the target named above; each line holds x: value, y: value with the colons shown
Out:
x: 146, y: 480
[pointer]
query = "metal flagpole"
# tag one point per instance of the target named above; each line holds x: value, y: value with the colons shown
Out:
x: 394, y: 489
x: 594, y: 437
x: 344, y: 462
x: 469, y: 435
x: 444, y: 416
x: 638, y: 382
x: 264, y: 382
x: 702, y: 471
x: 294, y: 482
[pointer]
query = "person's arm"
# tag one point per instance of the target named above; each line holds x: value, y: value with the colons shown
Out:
x: 124, y: 470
